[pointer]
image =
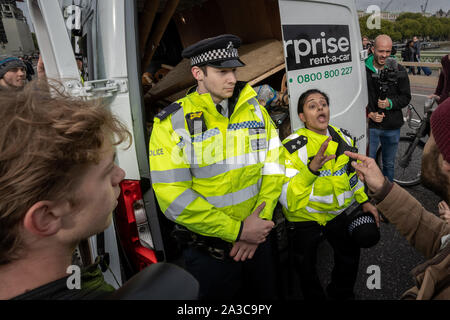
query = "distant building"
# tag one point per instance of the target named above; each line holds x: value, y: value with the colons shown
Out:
x: 15, y: 35
x: 384, y: 15
x: 442, y: 14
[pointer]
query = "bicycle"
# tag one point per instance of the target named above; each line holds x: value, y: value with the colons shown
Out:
x: 408, y: 161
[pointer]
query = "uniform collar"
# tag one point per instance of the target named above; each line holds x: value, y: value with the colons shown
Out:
x: 242, y: 93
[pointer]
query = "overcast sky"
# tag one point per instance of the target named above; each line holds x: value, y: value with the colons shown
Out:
x: 395, y: 6
x: 406, y: 5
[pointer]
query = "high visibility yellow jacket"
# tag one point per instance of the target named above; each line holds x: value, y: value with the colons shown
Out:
x: 308, y: 197
x: 209, y: 172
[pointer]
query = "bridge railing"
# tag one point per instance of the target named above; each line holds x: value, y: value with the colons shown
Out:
x: 422, y: 80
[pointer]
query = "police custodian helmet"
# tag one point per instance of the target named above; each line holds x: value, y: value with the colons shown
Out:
x: 218, y: 52
x: 363, y: 229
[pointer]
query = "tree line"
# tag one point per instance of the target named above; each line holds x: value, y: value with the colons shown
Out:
x: 408, y: 25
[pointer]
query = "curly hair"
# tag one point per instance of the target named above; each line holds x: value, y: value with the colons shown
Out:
x: 47, y: 139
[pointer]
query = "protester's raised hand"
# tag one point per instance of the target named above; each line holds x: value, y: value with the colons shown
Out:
x: 367, y: 171
x: 444, y: 211
x: 40, y: 68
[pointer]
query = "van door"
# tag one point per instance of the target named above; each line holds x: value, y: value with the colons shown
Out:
x: 323, y: 50
x: 103, y: 34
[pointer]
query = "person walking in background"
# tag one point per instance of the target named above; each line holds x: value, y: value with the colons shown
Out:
x: 417, y: 52
x: 408, y: 55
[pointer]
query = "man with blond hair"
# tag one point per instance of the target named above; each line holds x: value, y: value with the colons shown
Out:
x: 59, y: 184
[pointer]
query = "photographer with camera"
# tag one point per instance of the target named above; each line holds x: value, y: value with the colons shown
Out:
x: 389, y: 93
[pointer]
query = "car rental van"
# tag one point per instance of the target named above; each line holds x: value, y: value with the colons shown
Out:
x: 310, y: 44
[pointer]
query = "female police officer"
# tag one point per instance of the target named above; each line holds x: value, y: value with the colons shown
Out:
x: 322, y: 186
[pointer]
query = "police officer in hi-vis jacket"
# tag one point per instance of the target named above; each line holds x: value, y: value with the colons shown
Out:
x: 217, y: 169
x: 322, y: 189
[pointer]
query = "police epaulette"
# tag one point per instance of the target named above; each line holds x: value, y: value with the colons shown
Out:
x: 344, y: 131
x: 167, y: 111
x: 296, y: 144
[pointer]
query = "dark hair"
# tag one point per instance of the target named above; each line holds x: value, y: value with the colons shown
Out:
x: 305, y: 95
x: 204, y: 69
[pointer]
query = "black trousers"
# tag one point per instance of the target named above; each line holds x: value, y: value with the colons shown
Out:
x: 227, y: 279
x: 304, y: 239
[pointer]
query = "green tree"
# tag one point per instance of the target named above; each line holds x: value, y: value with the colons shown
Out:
x: 408, y: 28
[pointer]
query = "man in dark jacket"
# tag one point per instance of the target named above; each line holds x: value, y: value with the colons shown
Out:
x: 389, y: 92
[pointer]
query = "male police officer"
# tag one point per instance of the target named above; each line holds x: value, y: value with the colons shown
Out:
x: 12, y: 74
x: 216, y: 170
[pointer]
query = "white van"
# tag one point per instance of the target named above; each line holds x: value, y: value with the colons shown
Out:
x: 322, y: 46
x: 106, y: 35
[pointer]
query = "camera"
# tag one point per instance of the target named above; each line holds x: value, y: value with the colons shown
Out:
x: 388, y: 77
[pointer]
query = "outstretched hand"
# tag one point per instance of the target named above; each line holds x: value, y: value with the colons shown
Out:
x: 367, y: 171
x: 444, y: 211
x: 40, y: 68
x: 320, y: 158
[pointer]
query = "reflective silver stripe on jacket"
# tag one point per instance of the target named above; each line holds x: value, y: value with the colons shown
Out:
x: 283, y: 196
x: 311, y: 210
x: 180, y: 203
x: 290, y: 172
x: 235, y: 198
x: 228, y: 164
x: 254, y: 102
x: 275, y: 143
x: 273, y: 168
x: 170, y: 176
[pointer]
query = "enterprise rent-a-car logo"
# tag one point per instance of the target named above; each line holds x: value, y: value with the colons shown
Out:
x: 309, y: 46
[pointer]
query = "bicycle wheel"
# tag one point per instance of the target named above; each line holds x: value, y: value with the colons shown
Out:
x: 410, y: 175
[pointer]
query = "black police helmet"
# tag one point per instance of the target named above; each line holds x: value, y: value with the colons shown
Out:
x: 363, y: 230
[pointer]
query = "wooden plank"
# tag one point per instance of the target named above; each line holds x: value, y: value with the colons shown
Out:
x: 423, y: 81
x: 146, y: 19
x: 260, y: 57
x: 176, y: 80
x: 251, y: 20
x: 158, y: 32
x: 199, y: 22
x: 420, y: 64
x: 267, y: 74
